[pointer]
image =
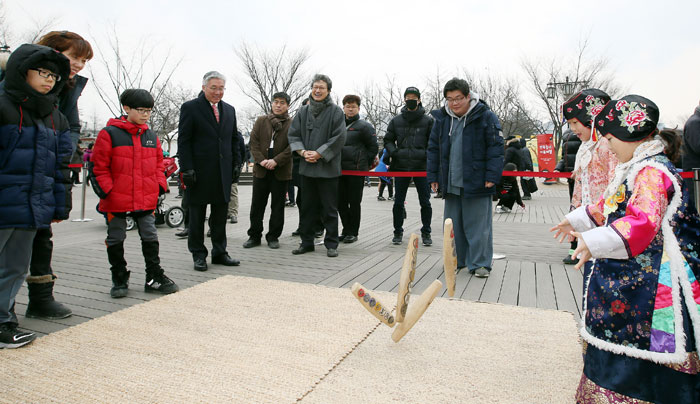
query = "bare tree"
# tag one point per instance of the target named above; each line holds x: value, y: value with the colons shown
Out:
x: 166, y: 111
x: 381, y: 103
x: 138, y: 67
x: 29, y: 34
x: 502, y: 94
x: 582, y: 69
x: 268, y: 72
x: 431, y: 96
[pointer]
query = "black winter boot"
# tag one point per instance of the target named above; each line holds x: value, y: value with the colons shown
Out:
x: 156, y: 281
x: 41, y: 301
x: 120, y: 276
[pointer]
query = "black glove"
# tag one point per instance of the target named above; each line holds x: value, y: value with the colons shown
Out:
x: 189, y: 178
x: 236, y: 174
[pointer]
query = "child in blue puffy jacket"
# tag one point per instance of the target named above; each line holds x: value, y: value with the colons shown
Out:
x: 35, y: 149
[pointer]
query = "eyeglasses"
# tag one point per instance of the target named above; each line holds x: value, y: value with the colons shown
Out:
x: 143, y: 111
x: 47, y: 74
x: 455, y: 100
x: 216, y: 89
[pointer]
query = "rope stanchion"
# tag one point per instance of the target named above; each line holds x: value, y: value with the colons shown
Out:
x: 84, y: 188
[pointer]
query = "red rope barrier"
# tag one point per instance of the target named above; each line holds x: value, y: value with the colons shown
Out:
x: 541, y: 174
x: 385, y: 173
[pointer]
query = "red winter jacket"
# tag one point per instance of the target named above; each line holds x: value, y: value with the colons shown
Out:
x: 127, y: 164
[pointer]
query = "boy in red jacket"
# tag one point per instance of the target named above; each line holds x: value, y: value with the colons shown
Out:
x: 127, y: 168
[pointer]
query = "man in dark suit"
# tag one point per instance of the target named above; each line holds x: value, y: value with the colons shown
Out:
x: 208, y: 150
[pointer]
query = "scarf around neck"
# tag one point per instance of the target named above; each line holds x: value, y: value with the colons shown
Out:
x: 317, y: 107
x: 584, y: 155
x: 278, y: 121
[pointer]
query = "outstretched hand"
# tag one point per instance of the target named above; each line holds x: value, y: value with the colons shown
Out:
x: 581, y: 252
x: 563, y: 231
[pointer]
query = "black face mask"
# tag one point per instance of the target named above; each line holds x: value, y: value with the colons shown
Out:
x: 411, y: 104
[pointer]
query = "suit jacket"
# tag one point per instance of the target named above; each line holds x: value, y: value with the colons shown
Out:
x: 260, y: 138
x: 209, y: 148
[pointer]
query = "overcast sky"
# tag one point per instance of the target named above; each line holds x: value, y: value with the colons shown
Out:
x: 653, y: 48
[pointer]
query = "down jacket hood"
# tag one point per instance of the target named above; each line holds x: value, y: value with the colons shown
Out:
x: 130, y: 127
x: 16, y: 86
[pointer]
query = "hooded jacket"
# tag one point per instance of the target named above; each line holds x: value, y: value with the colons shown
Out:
x: 127, y: 166
x: 512, y: 153
x: 406, y: 140
x: 482, y: 149
x: 570, y: 144
x: 35, y: 146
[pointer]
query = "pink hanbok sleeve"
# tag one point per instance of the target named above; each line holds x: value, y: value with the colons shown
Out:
x: 631, y: 234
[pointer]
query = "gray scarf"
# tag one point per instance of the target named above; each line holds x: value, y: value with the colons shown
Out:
x: 317, y: 107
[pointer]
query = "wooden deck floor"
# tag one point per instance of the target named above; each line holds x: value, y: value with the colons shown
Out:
x: 531, y: 274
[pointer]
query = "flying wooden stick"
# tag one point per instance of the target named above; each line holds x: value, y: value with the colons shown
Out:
x: 449, y: 257
x: 408, y: 273
x: 373, y: 305
x: 416, y: 311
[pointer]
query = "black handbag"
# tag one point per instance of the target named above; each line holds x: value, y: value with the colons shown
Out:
x: 531, y: 185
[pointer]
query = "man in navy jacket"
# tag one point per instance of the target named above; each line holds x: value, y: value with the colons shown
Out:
x: 465, y: 159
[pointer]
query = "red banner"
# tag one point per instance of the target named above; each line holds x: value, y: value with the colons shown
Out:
x: 546, y: 158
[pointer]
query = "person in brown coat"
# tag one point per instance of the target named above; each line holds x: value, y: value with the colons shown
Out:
x: 272, y: 170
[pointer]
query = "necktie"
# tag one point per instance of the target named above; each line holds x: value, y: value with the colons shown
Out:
x: 216, y: 111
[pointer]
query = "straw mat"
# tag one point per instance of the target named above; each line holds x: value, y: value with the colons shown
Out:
x: 248, y: 340
x: 463, y: 352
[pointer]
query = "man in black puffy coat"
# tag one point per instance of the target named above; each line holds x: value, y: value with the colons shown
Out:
x: 569, y: 147
x: 691, y: 148
x: 359, y: 152
x: 406, y: 143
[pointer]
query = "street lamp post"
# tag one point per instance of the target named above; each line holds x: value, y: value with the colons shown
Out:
x: 566, y: 88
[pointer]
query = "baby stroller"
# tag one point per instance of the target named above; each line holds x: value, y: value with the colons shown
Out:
x: 173, y: 216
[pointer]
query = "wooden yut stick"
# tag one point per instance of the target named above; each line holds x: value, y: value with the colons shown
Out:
x: 372, y: 304
x: 449, y: 257
x: 408, y: 273
x: 415, y: 312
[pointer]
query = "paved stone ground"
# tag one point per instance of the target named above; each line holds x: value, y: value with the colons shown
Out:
x: 531, y: 274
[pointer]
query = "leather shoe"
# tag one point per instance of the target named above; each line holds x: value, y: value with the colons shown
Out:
x: 251, y: 242
x: 302, y: 250
x: 350, y: 239
x: 183, y: 234
x: 274, y: 244
x: 200, y: 264
x: 295, y: 232
x: 332, y: 252
x: 224, y: 259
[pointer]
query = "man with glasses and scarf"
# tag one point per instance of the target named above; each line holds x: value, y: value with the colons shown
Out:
x: 317, y: 135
